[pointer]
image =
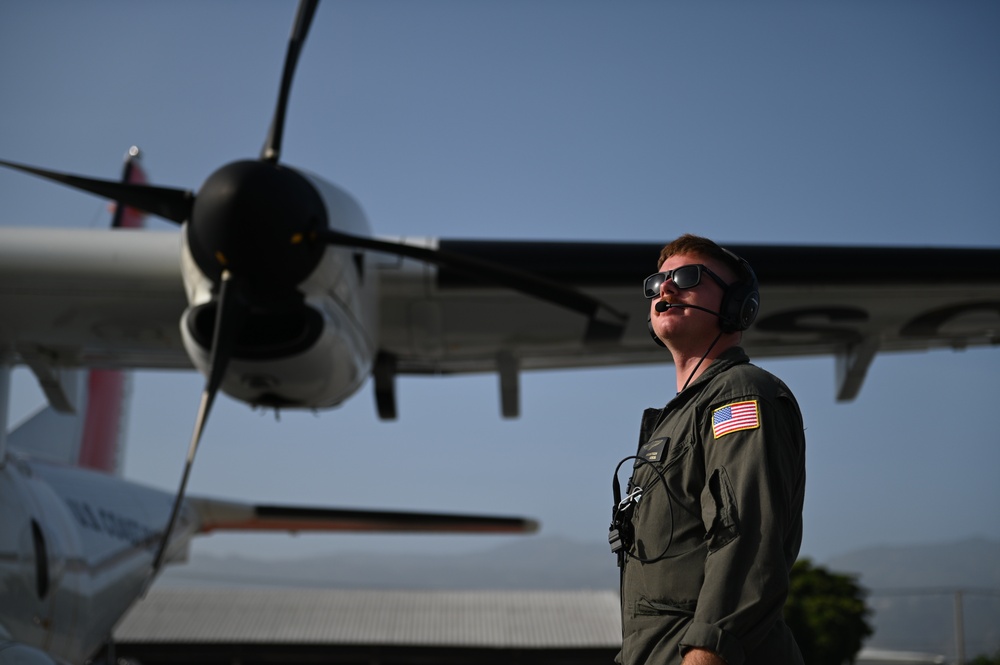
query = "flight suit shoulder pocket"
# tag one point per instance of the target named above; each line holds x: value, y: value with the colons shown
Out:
x: 719, y: 511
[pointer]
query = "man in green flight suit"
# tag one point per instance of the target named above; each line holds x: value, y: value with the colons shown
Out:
x: 711, y: 523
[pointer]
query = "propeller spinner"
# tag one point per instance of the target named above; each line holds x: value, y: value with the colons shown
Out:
x: 259, y: 220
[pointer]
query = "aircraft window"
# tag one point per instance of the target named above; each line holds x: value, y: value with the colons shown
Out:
x: 41, y: 561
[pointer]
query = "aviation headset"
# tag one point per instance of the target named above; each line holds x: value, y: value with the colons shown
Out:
x: 740, y: 301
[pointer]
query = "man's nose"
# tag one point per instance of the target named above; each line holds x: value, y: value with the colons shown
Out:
x: 667, y: 286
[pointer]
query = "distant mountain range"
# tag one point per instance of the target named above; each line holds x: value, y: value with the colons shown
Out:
x: 912, y: 589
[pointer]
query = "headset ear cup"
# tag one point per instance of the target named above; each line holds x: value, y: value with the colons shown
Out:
x: 751, y: 305
x: 652, y: 333
x: 741, y: 301
x: 739, y: 307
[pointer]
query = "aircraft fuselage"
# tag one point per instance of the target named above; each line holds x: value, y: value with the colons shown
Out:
x: 75, y: 554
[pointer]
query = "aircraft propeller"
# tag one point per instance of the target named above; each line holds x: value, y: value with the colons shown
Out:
x: 256, y: 229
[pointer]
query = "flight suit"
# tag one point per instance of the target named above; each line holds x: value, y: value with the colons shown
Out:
x: 718, y: 523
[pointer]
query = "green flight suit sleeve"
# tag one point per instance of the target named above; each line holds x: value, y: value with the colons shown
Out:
x: 752, y: 479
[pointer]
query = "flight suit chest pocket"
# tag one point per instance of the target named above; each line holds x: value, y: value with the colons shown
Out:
x: 666, y: 518
x: 661, y: 452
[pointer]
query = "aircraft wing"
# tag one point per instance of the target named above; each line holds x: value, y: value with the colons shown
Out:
x: 847, y: 302
x: 91, y: 298
x: 101, y: 298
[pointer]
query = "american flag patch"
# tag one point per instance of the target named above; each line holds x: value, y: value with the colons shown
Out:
x: 734, y: 417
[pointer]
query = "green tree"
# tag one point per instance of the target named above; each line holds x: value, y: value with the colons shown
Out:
x: 986, y: 660
x: 827, y: 614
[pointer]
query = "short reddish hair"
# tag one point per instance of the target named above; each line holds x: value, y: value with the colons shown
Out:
x: 692, y: 244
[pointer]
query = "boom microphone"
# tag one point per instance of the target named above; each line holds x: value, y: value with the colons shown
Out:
x: 663, y: 306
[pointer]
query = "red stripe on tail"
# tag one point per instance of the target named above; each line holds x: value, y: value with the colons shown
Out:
x: 104, y: 421
x: 106, y: 389
x: 125, y: 217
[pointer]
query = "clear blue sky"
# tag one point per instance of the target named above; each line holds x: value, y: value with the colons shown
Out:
x: 766, y: 122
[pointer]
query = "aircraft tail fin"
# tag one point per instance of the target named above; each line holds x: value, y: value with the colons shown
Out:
x: 89, y: 431
x: 92, y: 435
x: 104, y: 424
x: 124, y: 217
x: 108, y: 390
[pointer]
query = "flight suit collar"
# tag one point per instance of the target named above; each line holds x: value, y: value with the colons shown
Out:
x: 652, y: 417
x: 728, y: 358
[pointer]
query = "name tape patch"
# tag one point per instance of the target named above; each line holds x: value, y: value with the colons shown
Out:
x: 653, y: 450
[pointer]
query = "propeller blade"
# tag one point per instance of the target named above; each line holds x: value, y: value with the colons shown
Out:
x: 303, y: 19
x: 229, y: 319
x: 605, y: 323
x: 166, y: 202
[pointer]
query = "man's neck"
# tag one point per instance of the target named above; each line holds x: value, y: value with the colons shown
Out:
x: 690, y: 366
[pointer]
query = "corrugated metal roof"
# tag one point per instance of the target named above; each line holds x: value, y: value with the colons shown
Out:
x: 494, y: 619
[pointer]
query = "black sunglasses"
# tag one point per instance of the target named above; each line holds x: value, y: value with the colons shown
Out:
x: 684, y: 277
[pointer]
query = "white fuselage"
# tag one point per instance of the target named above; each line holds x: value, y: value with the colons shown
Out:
x: 76, y: 548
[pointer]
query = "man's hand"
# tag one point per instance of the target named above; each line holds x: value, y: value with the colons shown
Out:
x: 702, y: 657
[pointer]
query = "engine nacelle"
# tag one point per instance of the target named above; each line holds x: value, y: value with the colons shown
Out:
x: 311, y: 346
x: 324, y: 361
